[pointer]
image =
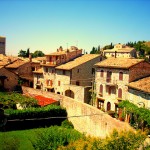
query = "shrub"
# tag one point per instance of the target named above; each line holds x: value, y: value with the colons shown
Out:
x: 54, y: 137
x: 127, y: 140
x: 9, y: 100
x: 10, y: 143
x: 42, y: 112
x: 67, y: 124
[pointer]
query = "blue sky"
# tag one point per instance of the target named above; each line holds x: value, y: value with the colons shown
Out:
x: 47, y: 24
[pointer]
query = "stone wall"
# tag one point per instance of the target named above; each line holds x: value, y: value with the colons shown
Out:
x: 11, y: 81
x: 2, y: 45
x: 85, y: 118
x: 138, y: 71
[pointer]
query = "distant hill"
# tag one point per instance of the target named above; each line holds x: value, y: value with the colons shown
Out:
x: 147, y: 43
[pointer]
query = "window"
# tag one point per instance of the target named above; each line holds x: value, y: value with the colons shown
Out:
x: 49, y: 82
x: 78, y: 71
x: 93, y: 71
x: 109, y: 73
x: 102, y: 73
x: 100, y: 104
x: 77, y: 83
x: 116, y: 108
x: 53, y: 71
x: 108, y: 106
x: 101, y: 89
x: 46, y: 69
x: 33, y: 68
x: 120, y: 75
x: 119, y: 93
x: 64, y: 72
x: 109, y: 90
x: 58, y: 83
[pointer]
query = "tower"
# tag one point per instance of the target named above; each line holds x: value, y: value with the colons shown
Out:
x: 2, y: 45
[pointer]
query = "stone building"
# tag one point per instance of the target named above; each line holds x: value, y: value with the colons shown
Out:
x: 139, y: 92
x: 67, y: 72
x: 23, y: 70
x: 74, y: 79
x: 2, y: 45
x: 47, y: 70
x: 112, y: 78
x: 120, y: 50
x: 8, y: 79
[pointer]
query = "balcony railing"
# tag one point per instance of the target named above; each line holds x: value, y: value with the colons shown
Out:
x: 111, y: 82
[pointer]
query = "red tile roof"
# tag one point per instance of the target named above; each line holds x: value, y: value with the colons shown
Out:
x: 43, y: 101
x: 125, y: 63
x: 141, y: 84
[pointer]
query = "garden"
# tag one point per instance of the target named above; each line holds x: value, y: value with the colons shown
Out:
x: 47, y: 128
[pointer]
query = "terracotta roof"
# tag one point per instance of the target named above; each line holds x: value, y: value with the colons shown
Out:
x: 16, y: 64
x: 38, y: 59
x: 119, y: 50
x: 62, y: 52
x: 78, y: 61
x: 142, y: 84
x: 39, y: 71
x: 1, y: 67
x: 125, y: 63
x: 4, y: 60
x: 57, y: 53
x: 27, y: 77
x: 43, y: 101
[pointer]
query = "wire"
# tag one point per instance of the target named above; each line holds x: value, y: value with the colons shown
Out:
x: 55, y: 117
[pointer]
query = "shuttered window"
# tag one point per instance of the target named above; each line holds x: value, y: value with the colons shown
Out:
x: 119, y: 93
x: 101, y: 89
x: 120, y: 75
x: 102, y: 73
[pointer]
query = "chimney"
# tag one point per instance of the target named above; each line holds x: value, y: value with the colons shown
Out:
x: 30, y: 57
x: 115, y: 54
x: 9, y: 60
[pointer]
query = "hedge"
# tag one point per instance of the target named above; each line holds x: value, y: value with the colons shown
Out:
x: 41, y: 112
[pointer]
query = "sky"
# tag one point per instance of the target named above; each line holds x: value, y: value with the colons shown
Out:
x: 48, y: 24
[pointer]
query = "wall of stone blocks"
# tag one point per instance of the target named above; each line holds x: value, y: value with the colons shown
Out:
x: 138, y: 97
x: 83, y: 72
x: 11, y: 81
x: 88, y: 120
x: 138, y: 71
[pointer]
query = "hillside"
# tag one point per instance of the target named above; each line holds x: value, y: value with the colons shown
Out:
x: 147, y: 43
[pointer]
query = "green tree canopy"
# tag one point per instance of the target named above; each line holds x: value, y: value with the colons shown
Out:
x: 22, y: 53
x: 38, y: 53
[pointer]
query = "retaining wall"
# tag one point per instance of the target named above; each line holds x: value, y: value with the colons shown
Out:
x: 85, y: 118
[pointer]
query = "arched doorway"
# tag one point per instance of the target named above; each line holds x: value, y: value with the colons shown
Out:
x: 108, y: 106
x: 69, y: 93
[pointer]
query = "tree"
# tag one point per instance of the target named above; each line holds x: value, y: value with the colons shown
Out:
x: 38, y: 53
x: 111, y: 46
x: 28, y: 52
x: 93, y: 51
x: 22, y: 53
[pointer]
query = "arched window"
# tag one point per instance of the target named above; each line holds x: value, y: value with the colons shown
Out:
x: 102, y: 73
x: 109, y: 74
x: 58, y: 83
x: 119, y: 93
x: 101, y: 89
x: 120, y: 75
x: 108, y: 106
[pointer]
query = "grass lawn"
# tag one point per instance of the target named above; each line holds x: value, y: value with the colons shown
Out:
x: 21, y: 137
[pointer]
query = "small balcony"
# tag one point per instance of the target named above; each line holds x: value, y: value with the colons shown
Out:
x: 111, y: 82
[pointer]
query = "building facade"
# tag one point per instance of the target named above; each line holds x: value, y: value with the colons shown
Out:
x: 139, y: 92
x: 120, y: 51
x: 2, y: 45
x: 67, y: 72
x: 8, y: 79
x: 112, y: 78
